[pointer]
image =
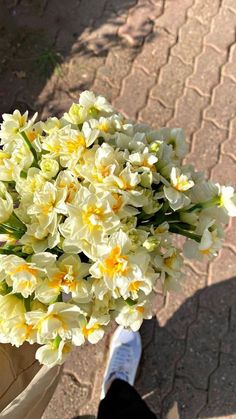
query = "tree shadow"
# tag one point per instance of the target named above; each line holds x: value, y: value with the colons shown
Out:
x: 198, y: 371
x: 37, y: 36
x: 85, y: 417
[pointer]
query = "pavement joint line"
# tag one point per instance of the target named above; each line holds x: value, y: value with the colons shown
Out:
x: 159, y: 73
x: 132, y: 67
x: 195, y: 64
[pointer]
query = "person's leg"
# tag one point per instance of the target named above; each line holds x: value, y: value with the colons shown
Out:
x: 121, y: 399
x: 123, y: 402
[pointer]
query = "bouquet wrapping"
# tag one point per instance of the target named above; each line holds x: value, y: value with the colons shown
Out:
x: 89, y: 207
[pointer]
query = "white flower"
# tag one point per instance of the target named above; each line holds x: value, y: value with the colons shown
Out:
x: 6, y: 204
x: 210, y: 244
x: 60, y: 320
x: 118, y: 267
x: 47, y: 204
x: 90, y: 217
x: 22, y: 276
x: 17, y: 331
x: 94, y: 329
x: 53, y: 353
x: 66, y: 275
x: 90, y: 102
x: 11, y: 306
x: 180, y: 183
x: 14, y: 124
x: 228, y: 199
x: 49, y: 167
x: 132, y: 316
x: 144, y: 160
x: 175, y: 138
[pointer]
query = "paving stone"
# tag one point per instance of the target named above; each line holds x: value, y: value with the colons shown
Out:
x: 223, y: 170
x: 207, y: 70
x: 90, y: 11
x: 219, y: 36
x: 181, y: 309
x: 78, y: 74
x: 219, y: 296
x: 205, y: 147
x: 174, y: 16
x: 154, y: 53
x: 101, y: 37
x: 190, y: 400
x: 223, y: 267
x: 68, y: 398
x: 233, y: 315
x: 171, y: 81
x: 158, y: 364
x: 158, y: 303
x: 229, y: 69
x: 156, y: 113
x: 102, y: 86
x: 204, y: 10
x: 188, y: 112
x: 230, y: 237
x: 194, y: 31
x: 121, y: 6
x: 223, y: 107
x: 222, y: 389
x: 229, y: 145
x: 203, y: 344
x: 116, y: 67
x: 228, y: 344
x: 140, y: 22
x: 229, y: 3
x: 135, y: 91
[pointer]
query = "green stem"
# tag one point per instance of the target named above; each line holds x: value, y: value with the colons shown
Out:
x: 178, y: 230
x: 208, y: 204
x: 33, y: 151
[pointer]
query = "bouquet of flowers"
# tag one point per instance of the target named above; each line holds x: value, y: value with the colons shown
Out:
x: 89, y: 206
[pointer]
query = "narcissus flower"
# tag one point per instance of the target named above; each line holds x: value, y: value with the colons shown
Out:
x: 89, y: 207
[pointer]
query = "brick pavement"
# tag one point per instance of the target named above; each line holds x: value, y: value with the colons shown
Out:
x: 169, y: 63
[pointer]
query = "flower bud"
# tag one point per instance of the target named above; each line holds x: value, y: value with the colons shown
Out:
x: 49, y: 168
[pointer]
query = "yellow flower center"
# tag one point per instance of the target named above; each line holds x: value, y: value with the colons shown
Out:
x: 73, y: 144
x: 21, y: 120
x: 170, y: 260
x: 115, y: 263
x: 149, y: 166
x: 119, y: 202
x: 134, y: 286
x: 206, y: 251
x: 32, y: 135
x: 126, y: 185
x: 3, y: 156
x: 96, y: 213
x: 86, y: 332
x: 24, y: 268
x: 47, y: 208
x: 105, y: 171
x: 181, y: 184
x: 104, y: 126
x: 140, y: 309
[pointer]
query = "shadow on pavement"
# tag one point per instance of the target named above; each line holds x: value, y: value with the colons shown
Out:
x: 192, y: 359
x: 84, y: 417
x: 37, y: 36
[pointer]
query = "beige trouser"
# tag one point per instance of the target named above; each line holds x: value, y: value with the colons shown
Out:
x: 25, y: 387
